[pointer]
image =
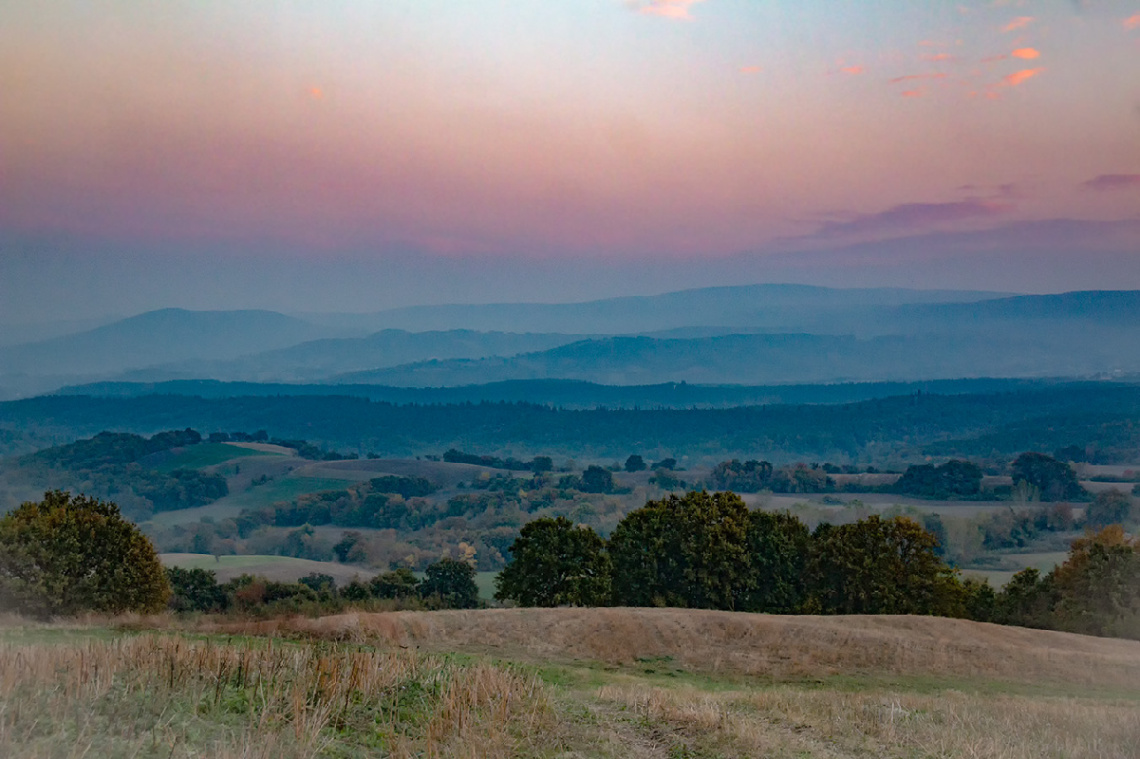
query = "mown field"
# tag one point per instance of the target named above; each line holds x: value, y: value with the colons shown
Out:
x: 564, y: 683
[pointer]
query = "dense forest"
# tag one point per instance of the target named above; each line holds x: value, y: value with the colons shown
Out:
x: 1097, y: 418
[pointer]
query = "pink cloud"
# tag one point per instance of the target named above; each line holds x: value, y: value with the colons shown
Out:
x: 1018, y: 23
x: 1025, y: 53
x: 1113, y: 182
x: 938, y: 57
x: 675, y: 9
x: 915, y: 216
x: 1132, y: 22
x: 1018, y: 77
x: 910, y: 77
x: 853, y: 70
x: 751, y: 69
x: 912, y: 94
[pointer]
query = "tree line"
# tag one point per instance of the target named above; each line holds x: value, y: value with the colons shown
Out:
x: 708, y: 550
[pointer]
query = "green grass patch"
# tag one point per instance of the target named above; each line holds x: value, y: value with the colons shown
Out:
x: 275, y: 490
x: 207, y: 454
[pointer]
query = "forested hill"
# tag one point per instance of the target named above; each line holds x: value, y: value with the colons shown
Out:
x: 573, y: 394
x: 1098, y: 416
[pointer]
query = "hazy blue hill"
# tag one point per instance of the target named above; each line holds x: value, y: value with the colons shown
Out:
x: 155, y: 337
x: 1105, y: 306
x: 569, y: 394
x: 770, y: 306
x: 318, y: 359
x: 753, y: 359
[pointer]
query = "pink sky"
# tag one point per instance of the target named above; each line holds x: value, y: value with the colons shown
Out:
x: 596, y: 130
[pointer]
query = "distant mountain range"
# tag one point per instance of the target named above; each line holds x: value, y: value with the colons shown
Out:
x: 757, y: 334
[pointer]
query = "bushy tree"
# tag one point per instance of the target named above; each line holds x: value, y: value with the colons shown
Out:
x: 597, y: 480
x: 1097, y: 589
x: 777, y: 555
x: 396, y: 584
x: 954, y: 479
x: 195, y: 590
x: 689, y: 551
x: 555, y: 563
x: 450, y: 584
x: 67, y: 554
x: 1054, y: 480
x: 881, y: 566
x: 634, y: 463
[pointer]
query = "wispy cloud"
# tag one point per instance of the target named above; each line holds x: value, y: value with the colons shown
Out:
x: 938, y: 57
x: 853, y: 70
x: 1113, y: 182
x: 674, y: 9
x: 1026, y: 53
x: 912, y: 94
x: 1018, y: 23
x: 1018, y: 77
x: 1132, y: 22
x: 914, y: 216
x: 910, y: 77
x: 751, y: 69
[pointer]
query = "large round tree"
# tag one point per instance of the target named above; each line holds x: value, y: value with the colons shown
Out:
x: 555, y: 563
x: 67, y: 554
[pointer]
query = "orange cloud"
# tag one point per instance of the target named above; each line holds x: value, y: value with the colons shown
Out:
x: 909, y: 77
x: 912, y: 94
x: 675, y: 9
x: 751, y: 69
x: 1132, y: 22
x: 1018, y: 23
x: 316, y: 93
x: 939, y: 57
x: 1026, y: 53
x: 852, y: 70
x: 1018, y: 77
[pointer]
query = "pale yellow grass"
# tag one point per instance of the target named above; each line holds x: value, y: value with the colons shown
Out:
x: 790, y: 721
x: 779, y: 647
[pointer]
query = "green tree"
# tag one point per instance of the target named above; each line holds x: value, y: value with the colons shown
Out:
x: 1097, y: 589
x: 689, y: 551
x: 635, y: 463
x: 597, y: 480
x: 398, y: 583
x: 881, y: 566
x: 554, y: 563
x: 1054, y: 480
x: 67, y: 554
x: 778, y: 546
x: 195, y: 590
x: 451, y: 584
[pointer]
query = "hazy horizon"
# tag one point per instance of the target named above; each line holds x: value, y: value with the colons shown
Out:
x: 352, y: 156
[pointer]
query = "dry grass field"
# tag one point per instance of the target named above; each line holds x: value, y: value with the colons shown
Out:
x: 625, y: 683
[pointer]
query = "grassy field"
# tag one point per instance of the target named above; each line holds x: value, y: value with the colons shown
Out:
x: 566, y: 683
x: 281, y: 489
x: 207, y: 454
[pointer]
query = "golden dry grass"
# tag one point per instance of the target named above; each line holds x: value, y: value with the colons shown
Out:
x: 779, y: 647
x: 163, y: 695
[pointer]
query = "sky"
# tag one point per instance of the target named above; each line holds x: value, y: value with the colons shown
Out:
x: 352, y: 155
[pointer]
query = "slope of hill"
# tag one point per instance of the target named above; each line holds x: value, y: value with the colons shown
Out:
x: 319, y: 359
x: 772, y: 306
x: 753, y: 359
x: 156, y: 337
x: 767, y: 645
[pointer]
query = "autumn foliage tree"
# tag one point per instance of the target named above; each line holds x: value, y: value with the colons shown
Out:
x: 67, y: 554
